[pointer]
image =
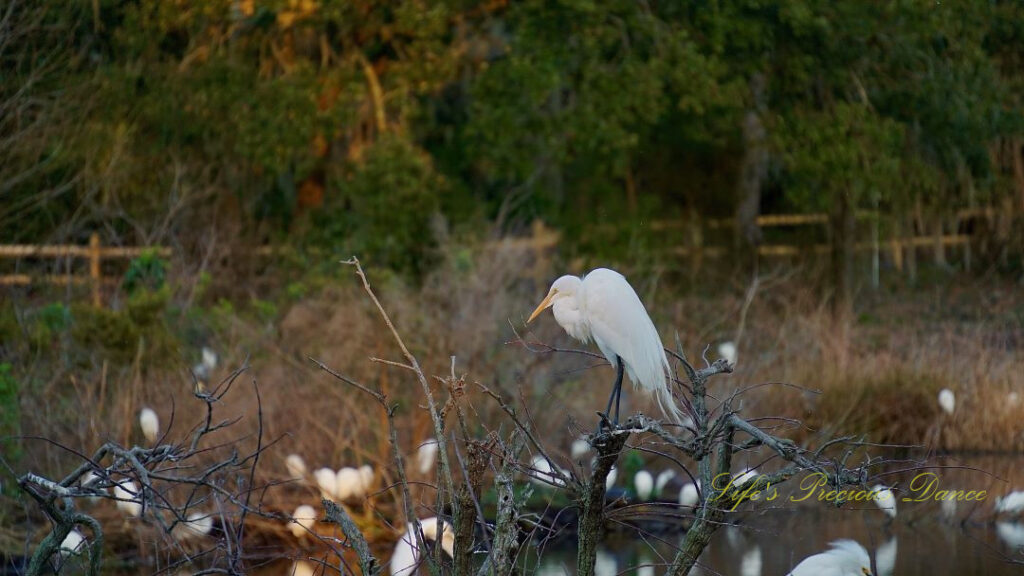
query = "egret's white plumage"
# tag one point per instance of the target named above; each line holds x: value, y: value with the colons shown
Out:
x: 727, y: 350
x: 580, y: 448
x: 1012, y: 503
x: 406, y: 556
x: 643, y: 482
x: 605, y: 564
x: 150, y: 424
x: 603, y: 307
x: 751, y: 563
x: 196, y: 525
x: 349, y: 484
x: 366, y: 475
x: 948, y: 508
x: 645, y: 567
x: 91, y: 480
x: 885, y: 558
x: 545, y: 475
x: 664, y: 478
x: 1013, y: 399
x: 610, y: 480
x: 1012, y: 533
x: 846, y: 558
x: 425, y: 455
x: 296, y: 466
x: 72, y: 543
x: 127, y: 499
x: 304, y: 518
x: 689, y: 495
x: 327, y: 480
x: 209, y: 359
x: 947, y: 400
x: 303, y: 568
x: 885, y: 500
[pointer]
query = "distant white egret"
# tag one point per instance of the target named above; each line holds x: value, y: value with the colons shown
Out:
x: 327, y: 480
x: 742, y: 481
x: 885, y: 558
x: 406, y: 557
x: 426, y: 454
x: 544, y: 474
x: 196, y: 525
x: 948, y: 506
x: 296, y: 466
x: 603, y: 307
x: 72, y: 543
x: 885, y: 500
x: 1012, y: 503
x: 727, y: 350
x: 751, y: 563
x: 304, y: 519
x: 664, y: 478
x: 645, y: 567
x: 366, y: 475
x: 1012, y: 533
x: 610, y: 480
x: 150, y: 424
x: 580, y: 448
x: 349, y: 484
x: 1013, y: 399
x: 605, y: 564
x: 643, y: 481
x: 689, y: 495
x: 90, y: 480
x: 209, y: 358
x: 126, y: 494
x: 947, y: 401
x: 302, y: 568
x: 846, y: 558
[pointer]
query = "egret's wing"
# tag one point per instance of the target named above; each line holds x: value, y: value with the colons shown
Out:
x: 621, y: 327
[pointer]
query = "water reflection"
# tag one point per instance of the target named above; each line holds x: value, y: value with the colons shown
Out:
x: 885, y: 558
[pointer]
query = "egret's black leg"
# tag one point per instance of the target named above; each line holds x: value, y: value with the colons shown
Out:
x: 618, y: 389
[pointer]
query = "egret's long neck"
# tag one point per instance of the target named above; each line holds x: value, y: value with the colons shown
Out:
x: 569, y: 317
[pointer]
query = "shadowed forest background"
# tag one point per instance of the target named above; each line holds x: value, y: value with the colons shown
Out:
x: 254, y: 144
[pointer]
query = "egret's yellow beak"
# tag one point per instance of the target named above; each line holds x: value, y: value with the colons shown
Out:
x: 544, y: 304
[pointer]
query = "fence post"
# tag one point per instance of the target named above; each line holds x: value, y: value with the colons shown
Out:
x: 94, y: 268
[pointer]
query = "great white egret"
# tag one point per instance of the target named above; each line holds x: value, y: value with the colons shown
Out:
x: 406, y: 557
x: 196, y: 525
x: 846, y: 558
x: 425, y: 455
x: 689, y: 495
x: 304, y: 519
x: 727, y: 350
x: 366, y: 475
x: 349, y: 484
x: 580, y: 447
x: 663, y: 479
x: 751, y: 563
x: 126, y: 495
x: 303, y: 568
x: 605, y: 564
x: 72, y: 543
x: 1012, y: 533
x: 603, y: 307
x: 150, y: 424
x: 947, y: 401
x: 643, y: 482
x: 885, y: 500
x: 1012, y: 503
x: 544, y: 474
x: 610, y: 480
x: 327, y: 480
x: 296, y: 466
x: 885, y: 558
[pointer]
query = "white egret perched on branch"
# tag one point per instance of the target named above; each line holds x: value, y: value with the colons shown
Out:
x: 603, y: 307
x: 846, y: 558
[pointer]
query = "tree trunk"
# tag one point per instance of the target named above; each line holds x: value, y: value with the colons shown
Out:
x: 753, y: 169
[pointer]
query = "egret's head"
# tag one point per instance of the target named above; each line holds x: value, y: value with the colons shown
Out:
x: 564, y: 287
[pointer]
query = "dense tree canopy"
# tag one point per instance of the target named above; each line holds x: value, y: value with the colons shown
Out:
x: 376, y: 125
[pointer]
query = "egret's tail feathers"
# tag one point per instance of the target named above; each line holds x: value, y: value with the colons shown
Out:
x: 669, y: 407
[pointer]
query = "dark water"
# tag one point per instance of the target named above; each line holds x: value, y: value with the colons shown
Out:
x: 770, y: 539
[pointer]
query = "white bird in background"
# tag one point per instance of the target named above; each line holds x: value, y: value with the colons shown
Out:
x: 846, y: 558
x: 406, y: 557
x: 366, y: 475
x: 580, y: 448
x: 664, y: 478
x: 603, y: 307
x: 304, y: 519
x: 72, y: 543
x: 302, y: 568
x: 196, y: 525
x: 1012, y: 533
x: 885, y: 500
x: 150, y: 424
x: 645, y: 567
x: 426, y: 454
x: 206, y: 366
x: 885, y: 558
x: 349, y: 484
x: 643, y: 481
x: 327, y: 480
x: 948, y: 508
x: 126, y: 493
x: 545, y: 475
x: 1013, y: 398
x: 90, y: 480
x: 1012, y: 503
x: 750, y: 564
x: 296, y: 466
x: 727, y: 350
x: 610, y: 480
x: 605, y: 564
x: 947, y: 401
x: 689, y: 495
